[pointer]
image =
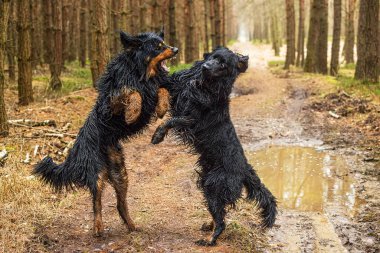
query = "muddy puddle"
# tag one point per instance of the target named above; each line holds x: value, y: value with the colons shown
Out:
x: 305, y: 179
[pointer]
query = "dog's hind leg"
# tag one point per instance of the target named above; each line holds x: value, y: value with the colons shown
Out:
x: 97, y: 205
x: 119, y: 179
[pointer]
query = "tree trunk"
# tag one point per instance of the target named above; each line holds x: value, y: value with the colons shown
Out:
x: 218, y: 24
x: 57, y: 50
x: 301, y: 35
x: 368, y: 60
x: 83, y: 33
x: 322, y: 42
x: 212, y: 23
x: 173, y: 41
x: 35, y: 32
x: 223, y: 6
x: 92, y: 53
x: 349, y: 41
x: 142, y: 9
x: 206, y: 25
x: 73, y: 45
x: 310, y: 61
x: 335, y: 48
x: 4, y: 10
x: 115, y: 25
x: 10, y: 46
x: 156, y: 20
x: 101, y: 38
x: 65, y: 29
x: 123, y: 17
x: 48, y: 30
x: 290, y: 34
x: 275, y: 34
x: 190, y: 42
x: 25, y: 92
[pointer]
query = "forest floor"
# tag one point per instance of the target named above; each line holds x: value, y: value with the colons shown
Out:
x: 316, y: 147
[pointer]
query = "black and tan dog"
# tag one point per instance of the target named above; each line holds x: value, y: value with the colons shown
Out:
x: 129, y: 95
x: 201, y: 119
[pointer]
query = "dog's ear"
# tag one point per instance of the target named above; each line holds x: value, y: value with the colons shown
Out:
x: 129, y: 42
x: 206, y: 55
x: 162, y: 33
x: 242, y: 63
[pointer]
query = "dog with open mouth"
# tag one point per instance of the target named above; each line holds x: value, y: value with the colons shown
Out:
x: 130, y: 93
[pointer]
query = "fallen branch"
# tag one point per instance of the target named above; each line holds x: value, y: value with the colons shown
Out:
x: 332, y: 114
x: 32, y: 123
x: 3, y: 155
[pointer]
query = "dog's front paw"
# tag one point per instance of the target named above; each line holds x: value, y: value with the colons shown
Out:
x: 163, y: 102
x: 203, y: 242
x: 158, y: 136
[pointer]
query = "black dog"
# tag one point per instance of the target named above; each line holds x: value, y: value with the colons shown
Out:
x: 129, y: 95
x: 200, y: 117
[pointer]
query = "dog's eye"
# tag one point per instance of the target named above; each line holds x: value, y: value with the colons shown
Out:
x: 159, y: 46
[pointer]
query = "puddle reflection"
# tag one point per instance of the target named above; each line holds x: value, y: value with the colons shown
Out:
x: 303, y: 178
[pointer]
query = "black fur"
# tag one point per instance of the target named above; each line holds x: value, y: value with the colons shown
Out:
x: 97, y: 150
x: 200, y: 117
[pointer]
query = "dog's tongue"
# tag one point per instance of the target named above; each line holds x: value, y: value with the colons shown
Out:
x: 163, y: 65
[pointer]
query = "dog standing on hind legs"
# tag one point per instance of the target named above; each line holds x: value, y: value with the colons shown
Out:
x: 201, y: 119
x: 129, y: 93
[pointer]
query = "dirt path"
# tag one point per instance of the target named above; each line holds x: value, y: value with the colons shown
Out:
x: 167, y: 206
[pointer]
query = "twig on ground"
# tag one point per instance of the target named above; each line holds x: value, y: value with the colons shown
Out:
x: 332, y: 114
x: 32, y: 123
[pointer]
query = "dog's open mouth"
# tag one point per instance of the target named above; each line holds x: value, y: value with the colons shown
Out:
x: 164, y: 65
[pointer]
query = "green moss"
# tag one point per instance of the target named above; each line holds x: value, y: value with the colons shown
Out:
x: 273, y: 64
x: 179, y: 67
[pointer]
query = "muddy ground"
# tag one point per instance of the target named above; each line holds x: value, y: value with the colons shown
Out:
x: 268, y: 110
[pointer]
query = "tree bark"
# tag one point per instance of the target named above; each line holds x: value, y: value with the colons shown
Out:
x: 212, y: 23
x: 35, y: 32
x: 368, y: 59
x: 206, y: 46
x: 349, y: 41
x: 10, y: 45
x: 190, y: 43
x: 65, y: 29
x: 301, y: 35
x: 218, y: 24
x: 290, y: 34
x: 83, y: 33
x: 173, y: 40
x: 275, y: 34
x: 4, y: 10
x: 310, y: 61
x: 73, y: 38
x: 156, y: 20
x: 57, y: 50
x: 322, y: 42
x: 25, y: 92
x: 335, y: 48
x: 101, y: 38
x: 142, y: 9
x: 48, y: 30
x: 115, y: 7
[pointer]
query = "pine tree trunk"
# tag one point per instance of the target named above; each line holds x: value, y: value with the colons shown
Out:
x: 322, y: 42
x: 301, y: 35
x: 48, y: 30
x: 190, y: 43
x: 10, y: 46
x: 173, y: 41
x: 349, y: 41
x: 25, y: 92
x: 65, y: 29
x: 123, y: 16
x: 156, y: 16
x: 34, y: 32
x: 206, y: 24
x: 368, y: 59
x: 223, y: 6
x: 115, y: 7
x: 218, y: 24
x: 101, y: 37
x: 143, y: 8
x: 4, y: 10
x: 335, y: 48
x: 83, y: 33
x: 275, y: 34
x: 212, y: 23
x: 310, y: 61
x: 290, y: 34
x: 57, y: 50
x: 73, y: 45
x: 92, y: 53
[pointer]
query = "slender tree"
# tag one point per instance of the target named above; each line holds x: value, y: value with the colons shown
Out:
x: 115, y: 7
x: 83, y: 33
x: 368, y: 58
x: 173, y: 40
x: 25, y: 92
x: 290, y: 34
x: 275, y: 33
x: 4, y: 10
x: 349, y: 41
x: 322, y: 41
x: 156, y: 19
x: 47, y: 30
x: 57, y: 50
x: 65, y: 29
x: 206, y: 24
x: 212, y: 23
x: 335, y: 48
x: 10, y: 45
x: 301, y: 35
x: 74, y: 28
x: 190, y: 42
x: 142, y: 11
x: 218, y: 23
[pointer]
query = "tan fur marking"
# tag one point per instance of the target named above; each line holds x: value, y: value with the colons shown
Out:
x: 98, y: 222
x: 115, y: 156
x: 163, y: 102
x: 152, y: 67
x: 133, y: 107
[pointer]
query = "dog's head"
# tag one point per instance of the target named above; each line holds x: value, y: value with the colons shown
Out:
x: 150, y: 50
x: 222, y: 62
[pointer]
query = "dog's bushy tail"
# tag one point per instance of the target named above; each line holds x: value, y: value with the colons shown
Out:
x: 263, y: 197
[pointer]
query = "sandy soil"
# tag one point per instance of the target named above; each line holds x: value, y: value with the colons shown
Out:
x: 168, y: 208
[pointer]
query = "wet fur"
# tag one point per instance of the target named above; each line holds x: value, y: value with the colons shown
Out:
x: 201, y: 119
x: 126, y: 102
